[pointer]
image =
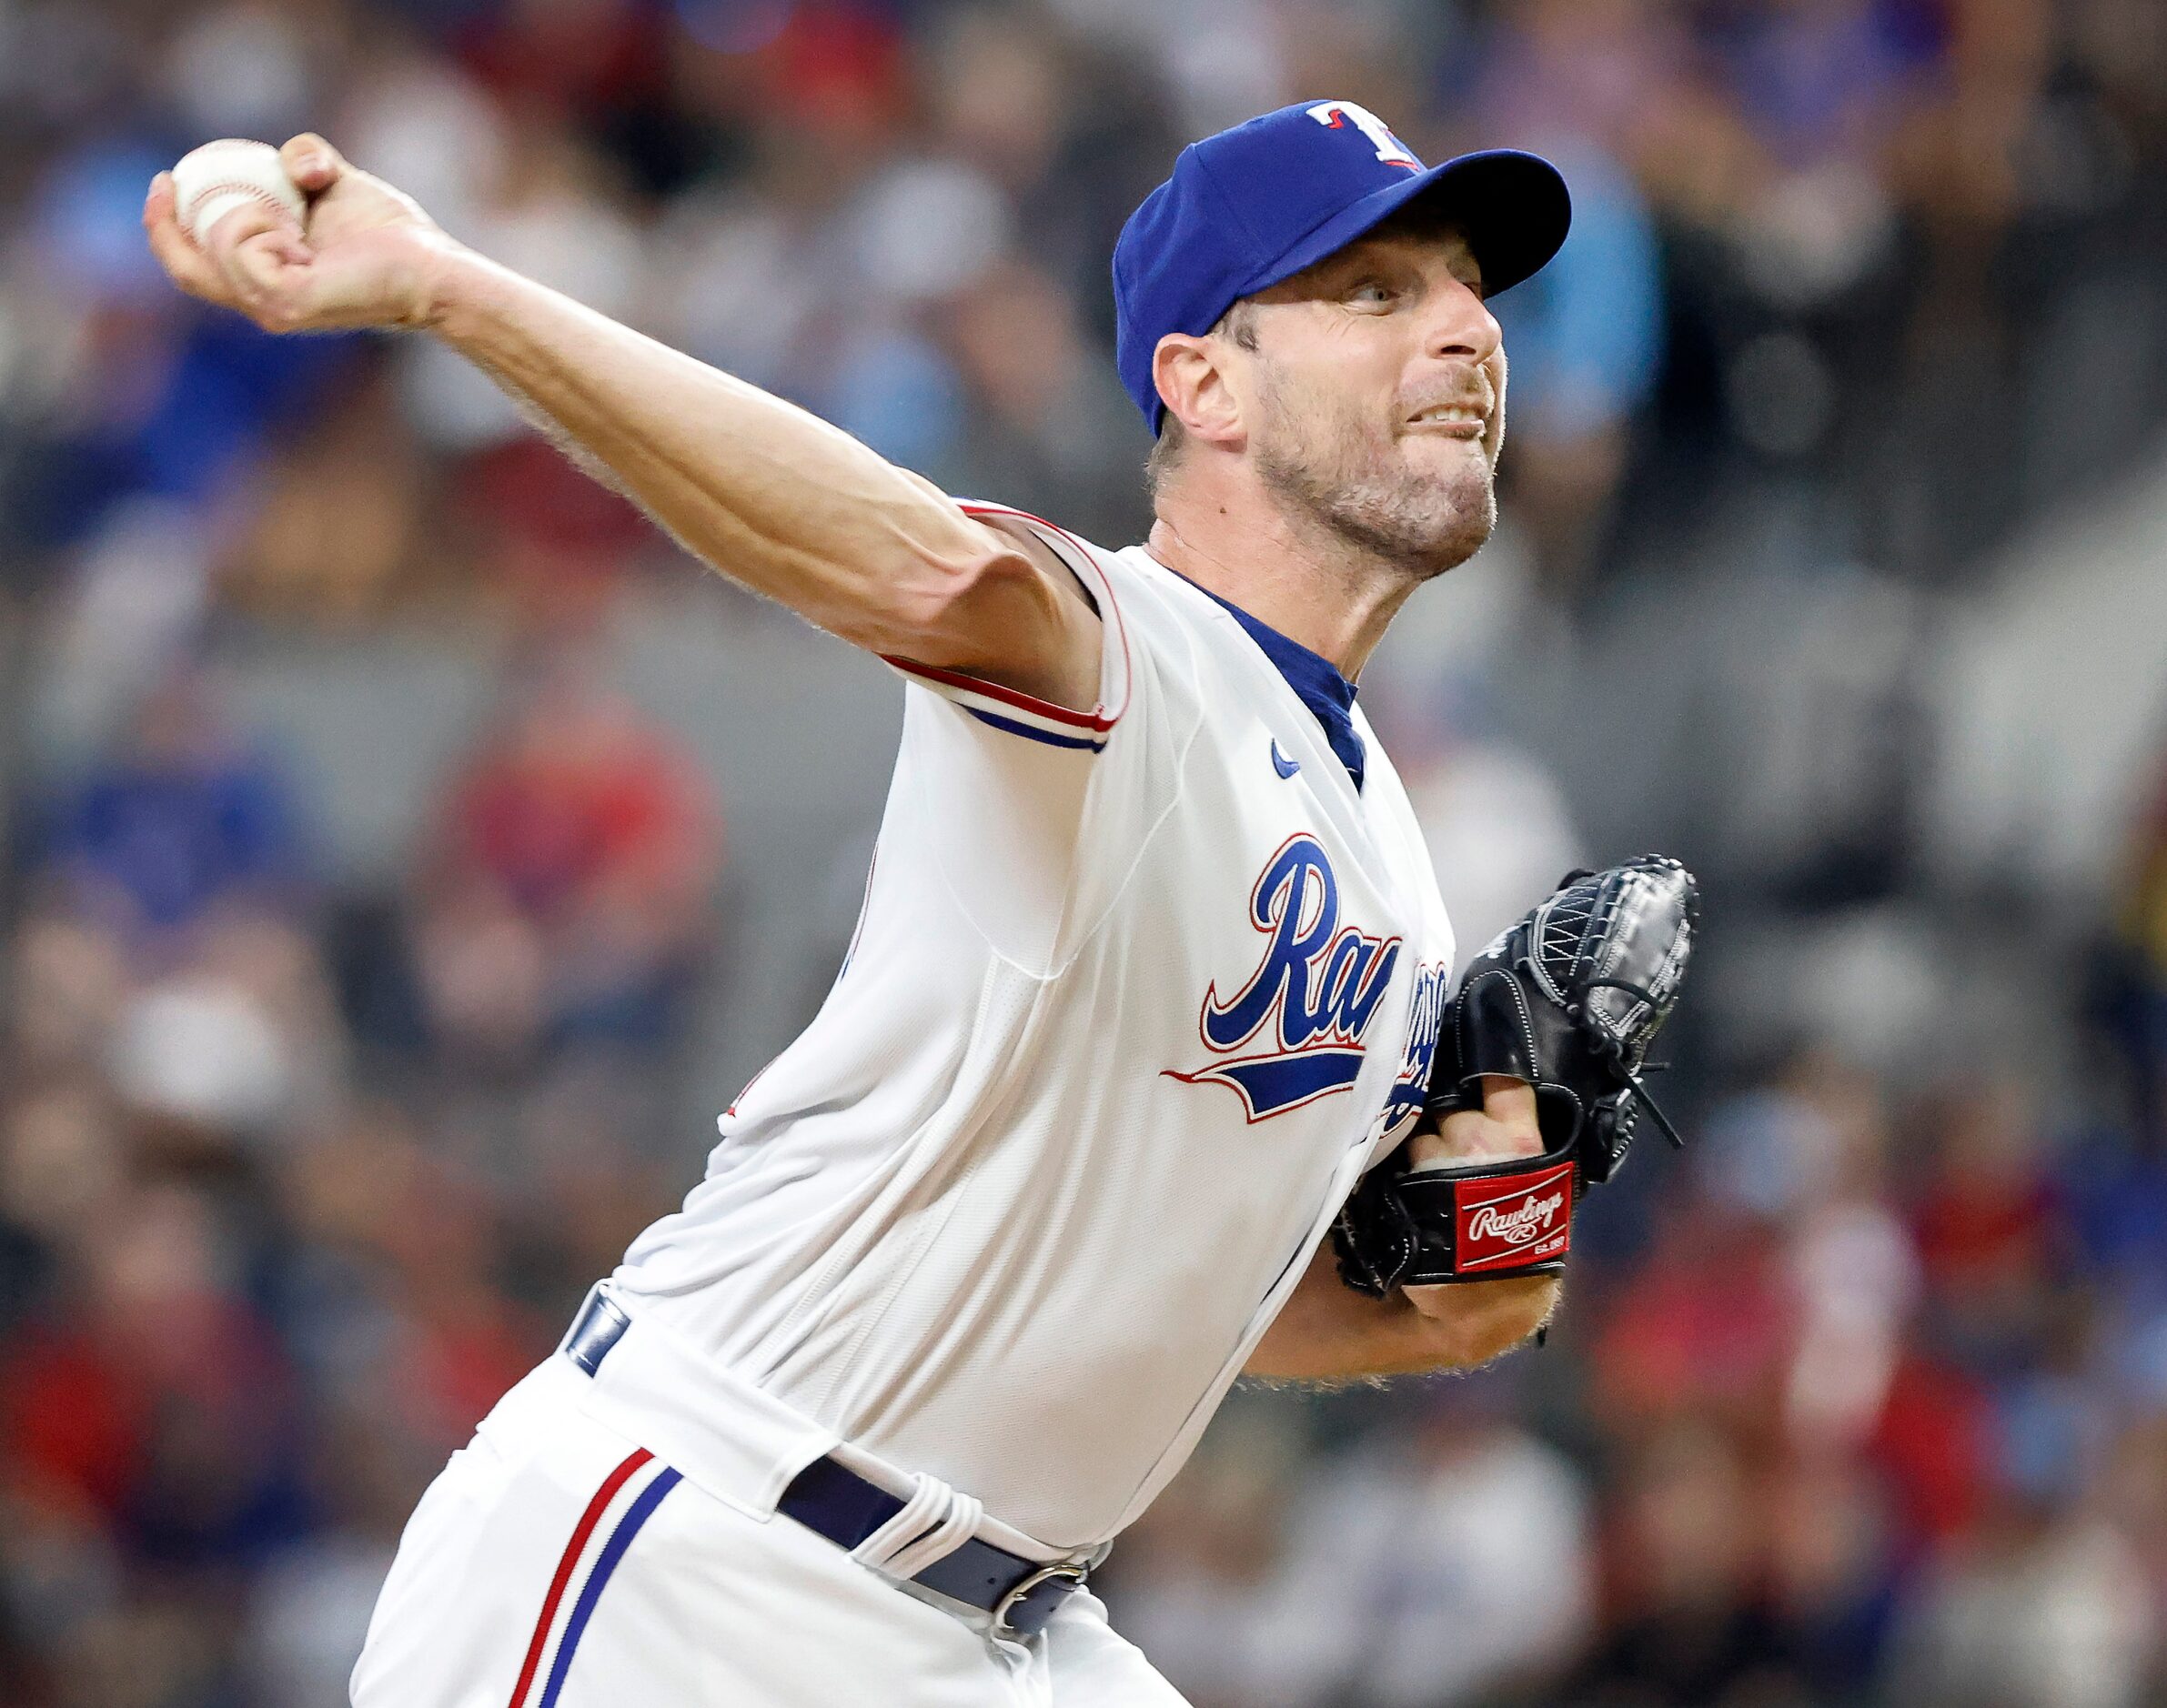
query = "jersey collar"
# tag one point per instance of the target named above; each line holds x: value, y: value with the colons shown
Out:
x: 1314, y: 678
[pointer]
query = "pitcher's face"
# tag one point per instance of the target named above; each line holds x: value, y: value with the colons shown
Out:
x: 1375, y: 396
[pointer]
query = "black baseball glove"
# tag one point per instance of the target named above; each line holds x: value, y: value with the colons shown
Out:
x: 1567, y: 1000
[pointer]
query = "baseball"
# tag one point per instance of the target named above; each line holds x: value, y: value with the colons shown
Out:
x: 210, y: 182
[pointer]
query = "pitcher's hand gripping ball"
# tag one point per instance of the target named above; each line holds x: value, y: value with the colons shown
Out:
x: 210, y: 182
x: 1568, y: 1001
x: 295, y: 238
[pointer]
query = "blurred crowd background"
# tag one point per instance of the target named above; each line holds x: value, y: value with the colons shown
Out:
x: 407, y: 851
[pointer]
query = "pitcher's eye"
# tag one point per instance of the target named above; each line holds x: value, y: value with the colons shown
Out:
x: 1371, y: 293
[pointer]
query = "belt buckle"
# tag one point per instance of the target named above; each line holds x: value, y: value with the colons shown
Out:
x: 1060, y: 1571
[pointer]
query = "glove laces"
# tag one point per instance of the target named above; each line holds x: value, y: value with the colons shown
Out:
x: 1615, y: 1048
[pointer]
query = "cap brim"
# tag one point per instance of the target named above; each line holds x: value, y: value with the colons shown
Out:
x: 1513, y: 206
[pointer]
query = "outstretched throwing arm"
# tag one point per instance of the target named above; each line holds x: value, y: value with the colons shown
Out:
x: 770, y: 494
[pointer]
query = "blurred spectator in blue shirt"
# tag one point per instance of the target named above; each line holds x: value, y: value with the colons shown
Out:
x: 184, y: 820
x: 1575, y: 79
x: 1585, y: 337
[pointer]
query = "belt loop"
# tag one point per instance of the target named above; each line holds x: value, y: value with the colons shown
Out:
x: 957, y: 1526
x: 929, y: 1501
x: 930, y: 1525
x: 600, y: 1324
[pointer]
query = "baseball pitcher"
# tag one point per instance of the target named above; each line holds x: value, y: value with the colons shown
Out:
x: 1152, y: 974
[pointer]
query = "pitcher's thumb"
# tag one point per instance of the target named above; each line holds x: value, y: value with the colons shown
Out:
x: 311, y: 163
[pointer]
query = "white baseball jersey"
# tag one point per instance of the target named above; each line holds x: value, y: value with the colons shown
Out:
x: 1135, y: 997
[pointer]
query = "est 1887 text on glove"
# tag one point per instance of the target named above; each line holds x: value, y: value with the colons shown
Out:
x: 1568, y: 1001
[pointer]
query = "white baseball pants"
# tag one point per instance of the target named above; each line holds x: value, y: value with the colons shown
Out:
x: 555, y: 1564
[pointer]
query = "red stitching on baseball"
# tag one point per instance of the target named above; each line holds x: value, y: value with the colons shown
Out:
x: 255, y: 192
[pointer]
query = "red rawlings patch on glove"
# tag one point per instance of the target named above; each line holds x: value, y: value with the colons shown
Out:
x: 1509, y: 1221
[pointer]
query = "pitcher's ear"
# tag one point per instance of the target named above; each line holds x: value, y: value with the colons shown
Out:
x: 1193, y: 385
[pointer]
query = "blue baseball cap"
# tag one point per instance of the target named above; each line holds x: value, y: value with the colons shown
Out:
x: 1258, y: 203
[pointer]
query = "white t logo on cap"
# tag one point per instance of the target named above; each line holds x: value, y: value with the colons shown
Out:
x: 1333, y: 115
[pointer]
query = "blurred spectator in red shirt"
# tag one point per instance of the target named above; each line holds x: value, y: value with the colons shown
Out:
x: 1991, y: 1229
x: 567, y: 901
x: 577, y: 63
x: 168, y: 1404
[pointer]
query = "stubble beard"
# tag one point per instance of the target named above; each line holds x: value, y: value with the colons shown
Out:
x: 1350, y: 477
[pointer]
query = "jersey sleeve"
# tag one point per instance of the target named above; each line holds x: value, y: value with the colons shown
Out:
x: 1013, y: 803
x: 1023, y: 715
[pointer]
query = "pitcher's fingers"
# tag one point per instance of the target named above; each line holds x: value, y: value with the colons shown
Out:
x: 271, y: 271
x: 256, y: 230
x: 311, y: 163
x: 242, y: 243
x: 187, y: 265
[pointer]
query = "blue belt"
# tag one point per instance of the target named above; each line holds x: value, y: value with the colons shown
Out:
x: 835, y: 1500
